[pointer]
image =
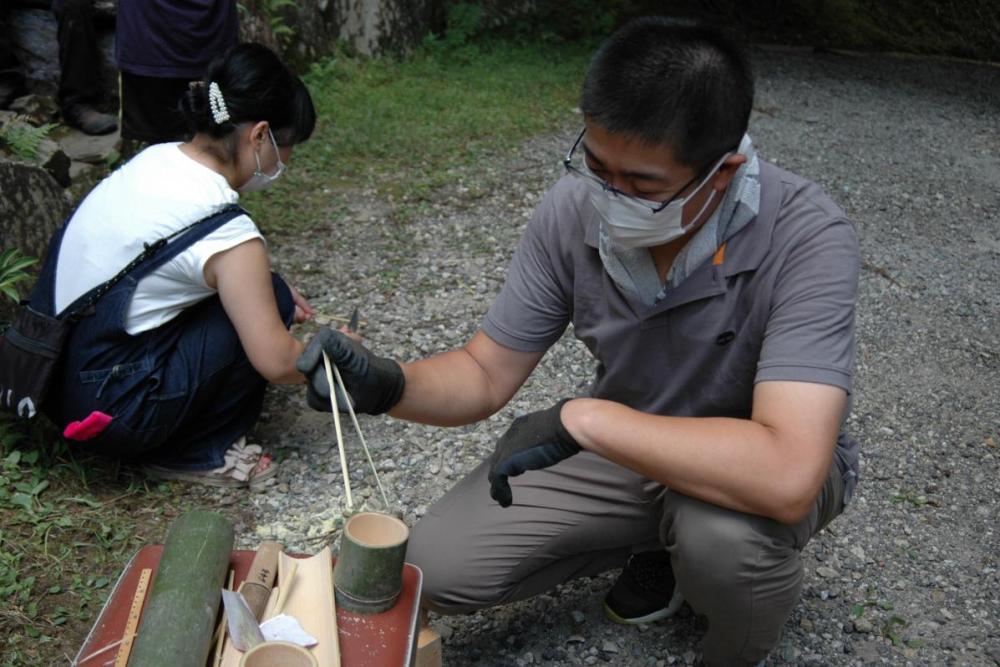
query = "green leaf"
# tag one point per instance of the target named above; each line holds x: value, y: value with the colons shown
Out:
x: 857, y: 610
x: 22, y: 500
x: 55, y: 589
x: 915, y: 643
x: 10, y: 292
x: 101, y: 582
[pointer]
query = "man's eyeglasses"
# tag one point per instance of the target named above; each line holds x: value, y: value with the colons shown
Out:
x: 588, y: 175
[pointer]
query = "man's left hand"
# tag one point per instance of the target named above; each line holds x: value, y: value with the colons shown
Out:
x: 534, y: 441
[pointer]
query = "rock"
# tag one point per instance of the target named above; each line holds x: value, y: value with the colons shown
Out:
x: 609, y: 647
x: 55, y: 161
x: 33, y: 33
x: 578, y: 617
x: 369, y: 28
x: 827, y: 572
x: 575, y: 639
x: 446, y: 631
x: 32, y: 207
x: 37, y: 109
x: 863, y: 626
x: 86, y: 148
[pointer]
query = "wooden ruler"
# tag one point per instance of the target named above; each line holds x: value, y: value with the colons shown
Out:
x: 133, y: 618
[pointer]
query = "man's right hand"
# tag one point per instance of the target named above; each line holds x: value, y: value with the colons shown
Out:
x: 375, y: 384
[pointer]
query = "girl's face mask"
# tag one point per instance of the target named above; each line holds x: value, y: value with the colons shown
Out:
x: 260, y: 180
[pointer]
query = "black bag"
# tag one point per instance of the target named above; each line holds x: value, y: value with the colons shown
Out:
x: 29, y: 351
x: 31, y: 346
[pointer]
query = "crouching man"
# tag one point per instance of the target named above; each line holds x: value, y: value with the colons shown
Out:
x: 716, y: 293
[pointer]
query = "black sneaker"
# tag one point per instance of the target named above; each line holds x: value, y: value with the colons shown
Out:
x: 645, y: 591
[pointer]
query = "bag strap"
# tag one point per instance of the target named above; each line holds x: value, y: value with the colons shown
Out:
x: 151, y: 257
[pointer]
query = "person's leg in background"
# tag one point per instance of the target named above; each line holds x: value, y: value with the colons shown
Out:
x: 210, y: 394
x: 11, y: 78
x: 743, y: 572
x: 150, y: 111
x: 79, y: 79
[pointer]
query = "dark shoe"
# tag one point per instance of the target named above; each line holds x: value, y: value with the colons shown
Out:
x: 645, y: 591
x: 90, y: 120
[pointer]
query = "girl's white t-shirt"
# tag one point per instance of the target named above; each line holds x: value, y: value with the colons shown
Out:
x: 159, y: 191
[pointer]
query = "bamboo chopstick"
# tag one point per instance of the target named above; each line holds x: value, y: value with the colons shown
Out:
x: 336, y: 424
x: 361, y: 436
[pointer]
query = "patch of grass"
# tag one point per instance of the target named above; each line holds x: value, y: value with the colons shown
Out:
x: 401, y: 129
x: 66, y: 531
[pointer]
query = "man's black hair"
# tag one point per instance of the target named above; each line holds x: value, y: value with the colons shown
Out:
x: 256, y: 86
x: 676, y: 82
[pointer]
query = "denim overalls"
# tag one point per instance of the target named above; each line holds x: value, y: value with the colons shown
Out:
x: 180, y: 394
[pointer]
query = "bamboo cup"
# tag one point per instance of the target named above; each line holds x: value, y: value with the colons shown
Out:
x: 278, y: 654
x: 368, y: 576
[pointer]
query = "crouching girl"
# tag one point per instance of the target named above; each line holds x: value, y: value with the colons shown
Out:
x: 170, y: 365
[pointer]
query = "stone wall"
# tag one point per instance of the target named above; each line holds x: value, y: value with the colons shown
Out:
x: 368, y: 27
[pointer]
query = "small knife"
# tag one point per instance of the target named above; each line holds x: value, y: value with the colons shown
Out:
x: 352, y: 324
x: 243, y: 627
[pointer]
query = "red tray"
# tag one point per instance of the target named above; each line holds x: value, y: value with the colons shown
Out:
x: 373, y: 640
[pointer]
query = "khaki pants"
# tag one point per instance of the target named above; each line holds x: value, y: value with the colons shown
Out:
x: 585, y: 516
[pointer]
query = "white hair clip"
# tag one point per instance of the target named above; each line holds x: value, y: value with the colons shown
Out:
x: 217, y: 103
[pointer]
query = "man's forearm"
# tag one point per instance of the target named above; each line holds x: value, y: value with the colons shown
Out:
x: 740, y: 464
x: 448, y: 389
x: 464, y: 385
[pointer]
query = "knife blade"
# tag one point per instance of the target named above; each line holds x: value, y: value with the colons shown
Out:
x: 243, y: 627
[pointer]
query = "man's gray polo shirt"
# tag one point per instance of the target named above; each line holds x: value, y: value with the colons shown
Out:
x: 776, y: 303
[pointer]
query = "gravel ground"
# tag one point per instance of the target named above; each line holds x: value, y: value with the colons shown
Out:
x: 908, y: 575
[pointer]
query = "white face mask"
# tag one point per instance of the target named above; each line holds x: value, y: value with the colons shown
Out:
x: 631, y: 222
x: 260, y: 180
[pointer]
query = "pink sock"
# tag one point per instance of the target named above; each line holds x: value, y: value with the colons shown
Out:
x: 91, y: 427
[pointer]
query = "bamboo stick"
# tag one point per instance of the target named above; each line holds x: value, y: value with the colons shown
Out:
x: 286, y: 586
x: 361, y: 436
x: 336, y: 424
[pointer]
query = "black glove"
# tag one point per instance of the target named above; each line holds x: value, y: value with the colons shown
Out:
x: 375, y: 384
x: 532, y: 442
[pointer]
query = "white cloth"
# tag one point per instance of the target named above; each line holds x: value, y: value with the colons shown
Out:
x: 159, y: 191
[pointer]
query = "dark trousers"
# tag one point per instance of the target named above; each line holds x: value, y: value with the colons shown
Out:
x: 151, y: 108
x: 79, y: 82
x: 179, y: 394
x: 11, y: 79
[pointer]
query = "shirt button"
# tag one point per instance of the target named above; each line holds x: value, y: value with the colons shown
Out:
x: 725, y: 338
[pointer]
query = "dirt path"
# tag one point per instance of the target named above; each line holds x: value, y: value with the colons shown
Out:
x: 911, y: 149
